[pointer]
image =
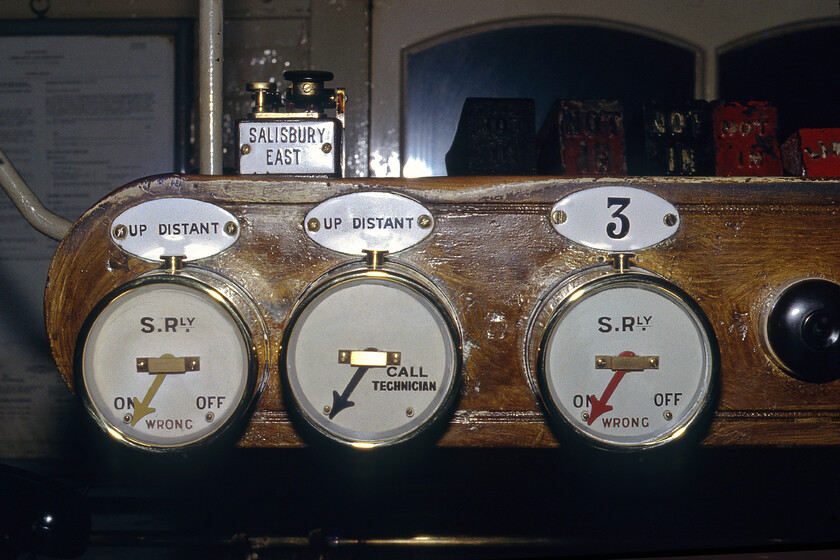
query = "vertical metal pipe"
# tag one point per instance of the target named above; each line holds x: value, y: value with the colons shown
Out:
x: 210, y: 19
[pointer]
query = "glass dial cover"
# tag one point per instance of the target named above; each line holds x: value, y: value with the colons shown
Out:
x: 165, y: 362
x: 371, y: 358
x: 628, y: 361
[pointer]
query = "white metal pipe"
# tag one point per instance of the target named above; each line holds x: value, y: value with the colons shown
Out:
x: 51, y: 225
x: 210, y: 44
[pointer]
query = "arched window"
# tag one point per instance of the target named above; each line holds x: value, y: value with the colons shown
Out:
x: 797, y: 70
x: 542, y: 61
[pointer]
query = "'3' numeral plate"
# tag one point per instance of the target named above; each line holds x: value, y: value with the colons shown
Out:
x: 615, y: 218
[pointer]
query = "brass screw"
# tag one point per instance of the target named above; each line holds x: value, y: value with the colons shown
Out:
x: 670, y: 220
x: 585, y: 416
x: 621, y: 261
x: 209, y: 416
x: 307, y: 88
x: 327, y: 410
x: 231, y: 228
x: 326, y: 148
x: 127, y: 418
x: 172, y: 263
x: 120, y: 232
x: 409, y: 412
x: 424, y: 221
x: 245, y: 149
x: 374, y: 258
x: 261, y: 93
x: 558, y: 217
x: 313, y: 225
x: 668, y: 415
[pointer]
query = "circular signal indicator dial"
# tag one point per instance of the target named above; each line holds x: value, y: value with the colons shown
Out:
x: 166, y: 362
x: 371, y: 358
x: 628, y: 361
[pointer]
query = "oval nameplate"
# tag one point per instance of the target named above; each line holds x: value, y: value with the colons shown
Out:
x: 175, y: 226
x: 615, y: 218
x: 376, y: 221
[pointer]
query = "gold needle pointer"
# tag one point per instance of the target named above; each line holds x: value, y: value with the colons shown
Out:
x: 160, y: 367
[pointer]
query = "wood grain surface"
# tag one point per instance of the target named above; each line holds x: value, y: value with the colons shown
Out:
x: 493, y: 253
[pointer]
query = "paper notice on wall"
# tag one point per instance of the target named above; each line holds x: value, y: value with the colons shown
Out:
x: 79, y: 117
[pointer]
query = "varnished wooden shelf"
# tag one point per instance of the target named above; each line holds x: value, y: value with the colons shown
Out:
x: 493, y: 253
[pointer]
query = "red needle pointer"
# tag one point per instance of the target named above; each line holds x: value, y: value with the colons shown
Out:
x: 600, y: 406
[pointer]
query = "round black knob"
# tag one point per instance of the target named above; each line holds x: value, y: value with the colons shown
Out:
x: 803, y: 330
x: 307, y: 92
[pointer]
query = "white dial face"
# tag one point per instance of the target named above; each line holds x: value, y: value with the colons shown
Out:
x: 627, y: 362
x: 165, y: 365
x: 371, y: 360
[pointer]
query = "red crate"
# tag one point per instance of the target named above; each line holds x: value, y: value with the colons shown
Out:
x: 812, y: 152
x: 582, y: 138
x: 745, y: 139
